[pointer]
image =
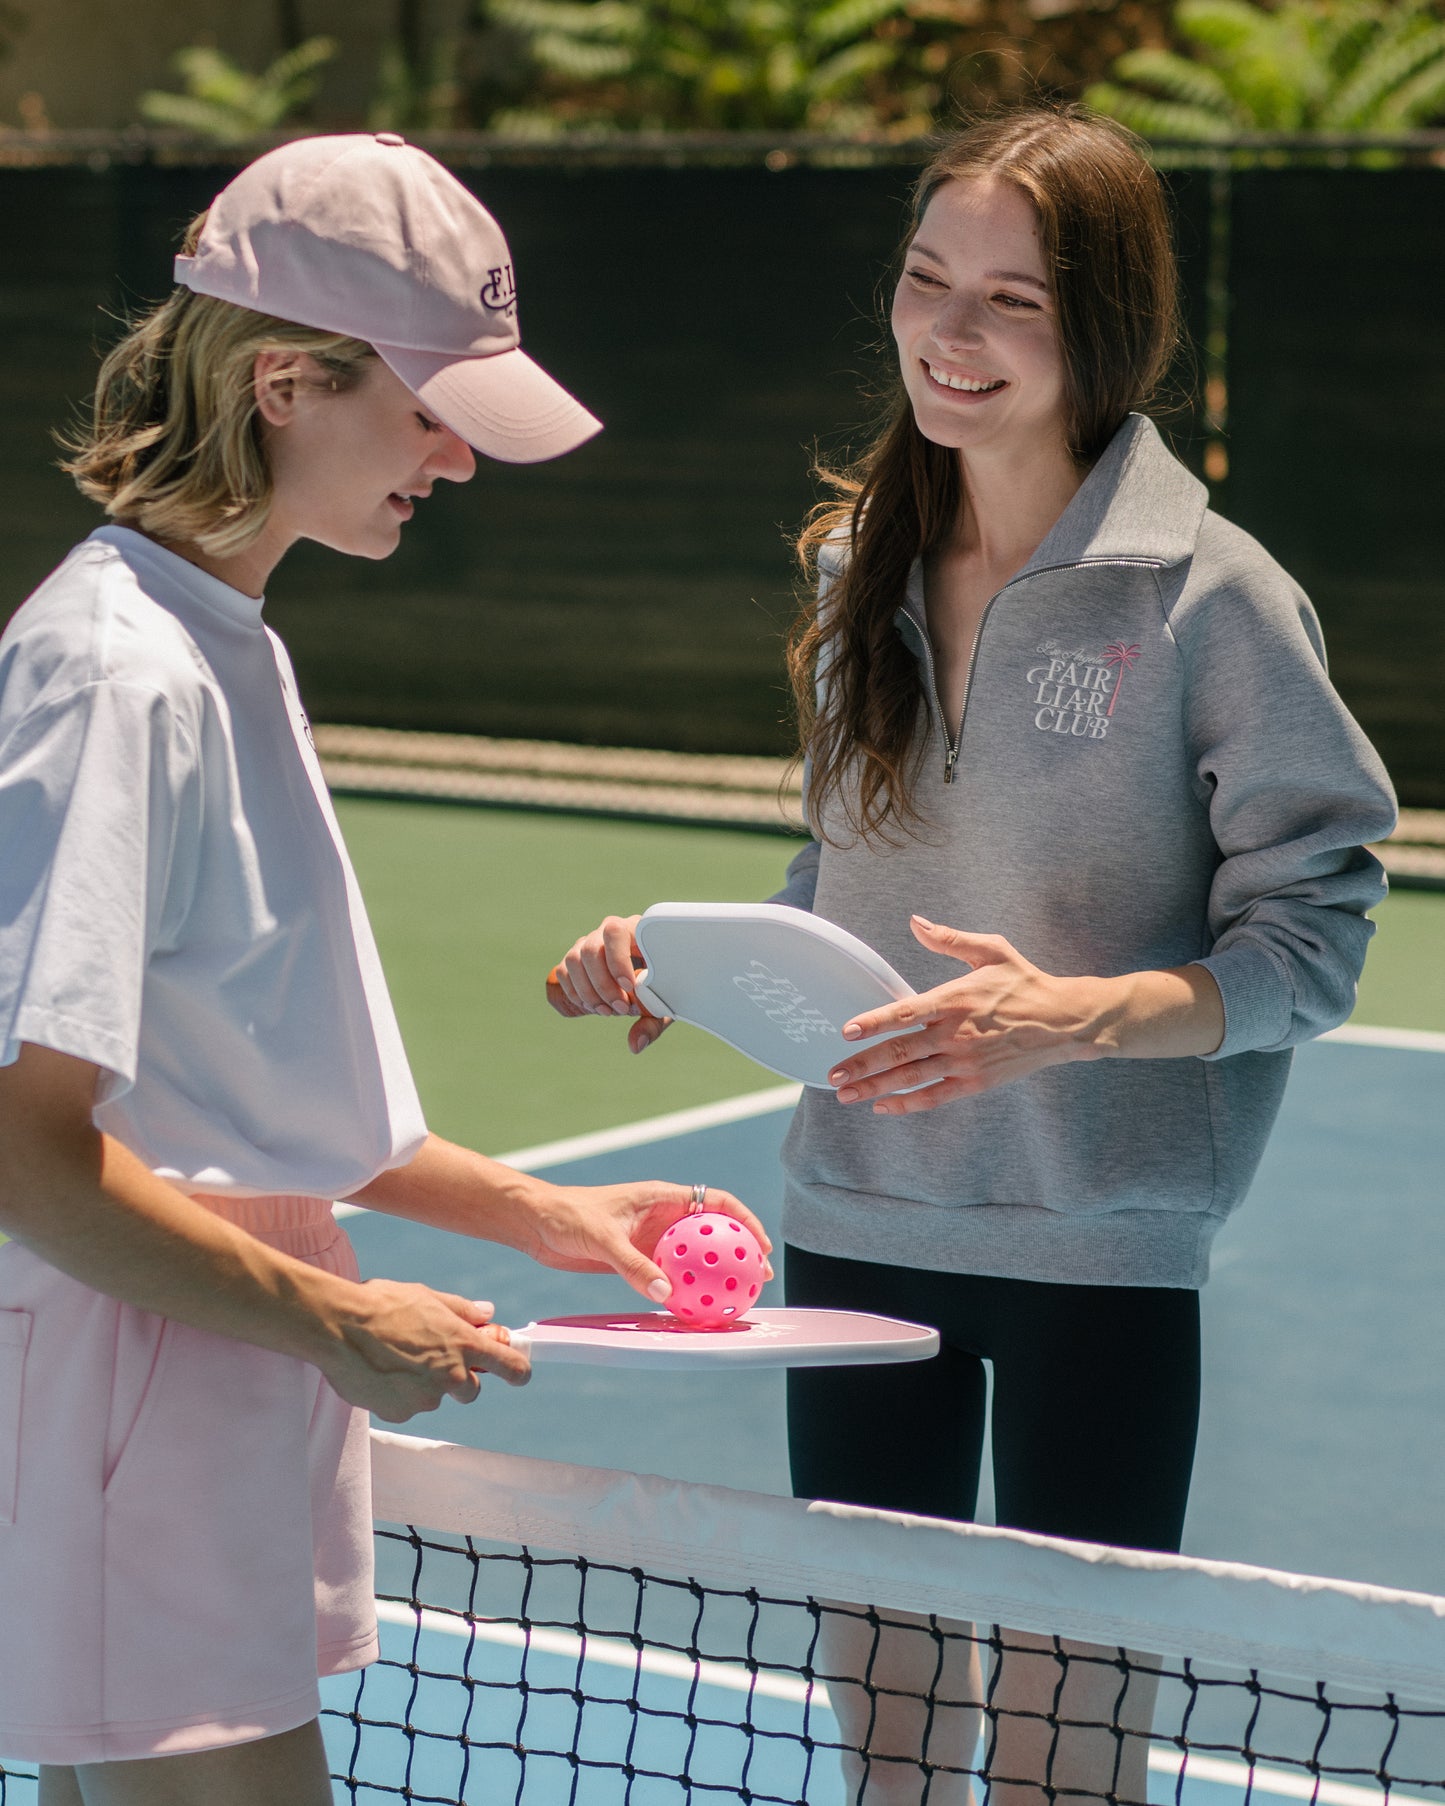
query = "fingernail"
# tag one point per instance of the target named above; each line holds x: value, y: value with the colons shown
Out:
x: 851, y: 1031
x: 484, y: 1304
x: 925, y: 921
x: 660, y: 1290
x: 838, y: 1075
x: 849, y: 1094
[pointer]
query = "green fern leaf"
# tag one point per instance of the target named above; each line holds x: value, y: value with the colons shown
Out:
x: 302, y: 63
x: 1416, y: 103
x: 1344, y: 32
x: 1280, y: 78
x: 207, y: 75
x: 188, y: 114
x: 1222, y: 25
x: 1178, y: 78
x: 846, y: 70
x: 846, y: 19
x: 1387, y: 66
x: 581, y: 61
x: 526, y: 122
x: 1156, y: 118
x: 609, y: 20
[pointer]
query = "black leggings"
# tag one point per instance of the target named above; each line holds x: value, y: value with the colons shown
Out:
x: 1095, y: 1406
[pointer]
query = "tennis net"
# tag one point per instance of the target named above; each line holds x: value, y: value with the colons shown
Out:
x: 562, y: 1634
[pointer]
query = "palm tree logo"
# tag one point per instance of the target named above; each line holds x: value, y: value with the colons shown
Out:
x: 1123, y: 659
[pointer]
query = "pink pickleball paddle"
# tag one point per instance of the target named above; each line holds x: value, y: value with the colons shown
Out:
x: 766, y: 1337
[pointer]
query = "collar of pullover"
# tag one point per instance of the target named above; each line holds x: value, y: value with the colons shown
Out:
x: 1137, y: 505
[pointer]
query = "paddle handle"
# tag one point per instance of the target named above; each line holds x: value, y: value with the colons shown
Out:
x: 564, y: 1006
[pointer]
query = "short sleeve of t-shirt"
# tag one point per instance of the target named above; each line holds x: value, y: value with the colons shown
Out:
x: 98, y: 798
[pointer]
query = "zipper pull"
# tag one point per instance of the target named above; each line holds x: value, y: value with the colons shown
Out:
x: 950, y: 761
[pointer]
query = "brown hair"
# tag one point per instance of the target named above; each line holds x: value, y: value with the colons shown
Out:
x: 1104, y: 221
x: 173, y: 445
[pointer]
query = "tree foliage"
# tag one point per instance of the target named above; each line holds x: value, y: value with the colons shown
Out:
x: 226, y: 103
x: 1374, y: 66
x: 717, y: 64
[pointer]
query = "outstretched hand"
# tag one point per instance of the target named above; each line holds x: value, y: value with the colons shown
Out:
x: 614, y: 1228
x: 1000, y: 1021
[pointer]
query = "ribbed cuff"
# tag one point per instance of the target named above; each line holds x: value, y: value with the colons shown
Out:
x: 1258, y: 1003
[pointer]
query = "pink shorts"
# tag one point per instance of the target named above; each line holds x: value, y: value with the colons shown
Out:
x: 185, y: 1520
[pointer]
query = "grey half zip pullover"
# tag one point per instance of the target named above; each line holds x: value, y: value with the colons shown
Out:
x: 1152, y: 770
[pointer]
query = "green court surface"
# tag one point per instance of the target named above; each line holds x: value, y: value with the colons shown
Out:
x: 472, y: 906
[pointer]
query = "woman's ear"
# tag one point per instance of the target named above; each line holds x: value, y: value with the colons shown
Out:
x: 276, y: 376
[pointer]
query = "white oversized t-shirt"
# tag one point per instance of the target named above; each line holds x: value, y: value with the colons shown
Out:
x: 176, y: 903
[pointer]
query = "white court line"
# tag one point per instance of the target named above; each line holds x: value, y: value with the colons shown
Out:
x: 612, y: 1653
x: 1278, y: 1781
x: 1421, y: 1040
x: 636, y: 1134
x: 659, y: 1128
x: 735, y: 1678
x: 783, y: 1097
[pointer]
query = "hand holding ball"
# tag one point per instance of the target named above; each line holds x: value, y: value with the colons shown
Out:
x: 716, y: 1268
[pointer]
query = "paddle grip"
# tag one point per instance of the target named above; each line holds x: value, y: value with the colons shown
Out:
x: 564, y: 1006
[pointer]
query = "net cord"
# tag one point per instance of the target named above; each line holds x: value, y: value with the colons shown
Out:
x: 1348, y: 1634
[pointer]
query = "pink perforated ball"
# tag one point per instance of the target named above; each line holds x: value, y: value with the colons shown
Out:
x: 716, y: 1268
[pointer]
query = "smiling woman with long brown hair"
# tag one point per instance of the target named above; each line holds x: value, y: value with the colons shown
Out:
x: 1051, y: 700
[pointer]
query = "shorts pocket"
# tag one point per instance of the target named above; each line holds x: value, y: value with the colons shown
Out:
x: 142, y: 1345
x: 14, y: 1340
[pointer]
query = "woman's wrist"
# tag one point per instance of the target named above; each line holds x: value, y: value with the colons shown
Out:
x: 457, y: 1189
x: 513, y: 1206
x: 1169, y: 1014
x: 310, y: 1312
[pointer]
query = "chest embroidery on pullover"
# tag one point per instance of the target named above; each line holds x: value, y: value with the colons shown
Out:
x: 1075, y: 692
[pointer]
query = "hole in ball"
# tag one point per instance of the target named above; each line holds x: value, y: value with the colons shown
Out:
x: 705, y: 1300
x: 712, y: 1257
x: 706, y: 1229
x: 689, y: 1279
x: 732, y: 1285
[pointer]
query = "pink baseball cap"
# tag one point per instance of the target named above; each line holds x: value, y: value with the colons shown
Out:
x: 370, y: 236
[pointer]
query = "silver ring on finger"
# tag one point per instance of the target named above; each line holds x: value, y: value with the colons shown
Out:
x: 697, y: 1200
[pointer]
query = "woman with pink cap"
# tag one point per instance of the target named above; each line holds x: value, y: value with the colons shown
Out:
x: 197, y: 1051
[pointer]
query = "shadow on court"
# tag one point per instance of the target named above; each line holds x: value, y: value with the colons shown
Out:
x: 1321, y: 1446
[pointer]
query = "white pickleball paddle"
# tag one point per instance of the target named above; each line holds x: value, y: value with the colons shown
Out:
x: 774, y: 982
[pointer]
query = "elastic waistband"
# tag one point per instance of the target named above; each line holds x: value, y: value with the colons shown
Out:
x: 293, y: 1223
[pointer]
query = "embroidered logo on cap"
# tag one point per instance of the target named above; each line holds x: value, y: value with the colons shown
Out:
x: 499, y: 292
x: 1076, y: 692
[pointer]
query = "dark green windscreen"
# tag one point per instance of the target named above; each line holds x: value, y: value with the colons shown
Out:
x: 721, y: 321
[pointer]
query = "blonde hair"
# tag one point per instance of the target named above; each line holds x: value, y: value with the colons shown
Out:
x: 174, y: 444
